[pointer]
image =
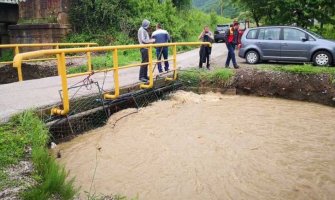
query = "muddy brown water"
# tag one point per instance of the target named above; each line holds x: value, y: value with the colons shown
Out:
x: 210, y: 147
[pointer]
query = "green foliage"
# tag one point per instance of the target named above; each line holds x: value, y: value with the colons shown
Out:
x: 111, y: 22
x: 196, y: 77
x: 299, y: 69
x: 52, y: 178
x: 7, y: 55
x: 23, y: 131
x: 287, y: 12
x: 106, y: 61
x: 222, y: 7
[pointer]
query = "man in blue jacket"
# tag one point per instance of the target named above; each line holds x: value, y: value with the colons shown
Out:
x: 161, y: 36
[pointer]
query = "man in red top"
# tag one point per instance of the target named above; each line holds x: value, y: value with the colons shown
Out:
x: 232, y: 39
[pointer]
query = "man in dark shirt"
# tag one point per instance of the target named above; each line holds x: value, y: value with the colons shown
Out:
x: 161, y: 36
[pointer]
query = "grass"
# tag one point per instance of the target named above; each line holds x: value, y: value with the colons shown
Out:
x: 26, y: 130
x: 197, y: 77
x: 7, y: 55
x: 299, y: 69
x: 106, y: 61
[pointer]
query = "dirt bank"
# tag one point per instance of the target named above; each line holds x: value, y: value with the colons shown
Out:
x: 317, y: 88
x: 210, y: 147
x: 35, y: 70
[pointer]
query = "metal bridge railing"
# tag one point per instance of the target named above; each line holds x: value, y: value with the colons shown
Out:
x: 16, y: 48
x: 61, y: 65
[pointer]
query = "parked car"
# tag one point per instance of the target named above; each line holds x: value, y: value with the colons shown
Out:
x: 286, y: 43
x: 219, y: 33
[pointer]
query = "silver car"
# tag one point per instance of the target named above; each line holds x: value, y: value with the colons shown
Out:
x: 286, y: 43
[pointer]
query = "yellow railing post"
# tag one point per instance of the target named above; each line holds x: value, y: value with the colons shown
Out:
x: 58, y: 61
x: 89, y: 62
x: 116, y: 77
x: 16, y: 51
x: 66, y: 104
x: 151, y: 74
x: 174, y: 64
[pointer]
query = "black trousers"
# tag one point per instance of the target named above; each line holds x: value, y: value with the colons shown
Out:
x: 145, y: 59
x: 205, y: 52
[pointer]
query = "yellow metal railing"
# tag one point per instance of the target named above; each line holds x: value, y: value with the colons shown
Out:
x: 61, y: 64
x: 16, y: 48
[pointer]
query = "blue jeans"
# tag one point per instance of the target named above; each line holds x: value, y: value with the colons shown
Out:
x: 231, y: 54
x: 162, y: 51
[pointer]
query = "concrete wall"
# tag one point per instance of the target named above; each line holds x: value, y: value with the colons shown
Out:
x: 50, y: 11
x: 41, y: 21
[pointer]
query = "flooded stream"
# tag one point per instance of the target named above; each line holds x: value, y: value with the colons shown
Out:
x: 210, y: 147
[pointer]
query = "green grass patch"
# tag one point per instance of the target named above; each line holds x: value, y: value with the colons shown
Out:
x: 106, y: 61
x: 7, y: 55
x: 299, y: 69
x: 198, y: 77
x: 27, y: 130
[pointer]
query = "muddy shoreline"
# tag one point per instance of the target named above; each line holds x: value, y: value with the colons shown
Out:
x: 317, y: 88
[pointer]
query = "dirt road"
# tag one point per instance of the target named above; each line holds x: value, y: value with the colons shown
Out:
x: 19, y: 96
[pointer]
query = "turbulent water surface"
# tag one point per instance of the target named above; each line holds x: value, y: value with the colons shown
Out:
x: 210, y: 147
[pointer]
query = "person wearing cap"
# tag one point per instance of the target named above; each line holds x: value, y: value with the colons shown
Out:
x: 232, y: 39
x: 144, y: 38
x: 205, y: 50
x: 161, y: 36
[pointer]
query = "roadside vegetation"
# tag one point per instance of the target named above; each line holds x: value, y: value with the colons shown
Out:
x: 25, y: 137
x: 196, y: 77
x: 298, y: 68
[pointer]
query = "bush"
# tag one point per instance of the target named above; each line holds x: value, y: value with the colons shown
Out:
x: 116, y: 22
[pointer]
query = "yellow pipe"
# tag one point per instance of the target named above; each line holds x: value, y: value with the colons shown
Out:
x: 66, y: 104
x: 41, y: 59
x: 174, y: 64
x: 116, y: 77
x: 46, y: 44
x: 16, y: 51
x: 89, y: 63
x: 58, y: 62
x: 151, y: 75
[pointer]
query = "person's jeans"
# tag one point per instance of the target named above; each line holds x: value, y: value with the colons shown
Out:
x: 231, y: 54
x: 204, y: 54
x: 162, y: 51
x: 145, y: 59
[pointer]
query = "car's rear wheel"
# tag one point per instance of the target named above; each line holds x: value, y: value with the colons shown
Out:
x: 252, y: 57
x: 322, y: 58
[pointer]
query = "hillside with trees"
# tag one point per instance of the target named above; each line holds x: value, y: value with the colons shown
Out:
x: 224, y: 8
x: 117, y: 21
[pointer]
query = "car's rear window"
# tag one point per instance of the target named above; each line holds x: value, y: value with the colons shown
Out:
x: 222, y: 27
x: 252, y: 34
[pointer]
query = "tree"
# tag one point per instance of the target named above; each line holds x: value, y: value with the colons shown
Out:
x: 257, y: 8
x: 221, y: 3
x: 287, y: 12
x: 182, y: 4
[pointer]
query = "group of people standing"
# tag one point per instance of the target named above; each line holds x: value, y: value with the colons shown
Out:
x: 158, y: 36
x: 232, y: 40
x: 162, y: 36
